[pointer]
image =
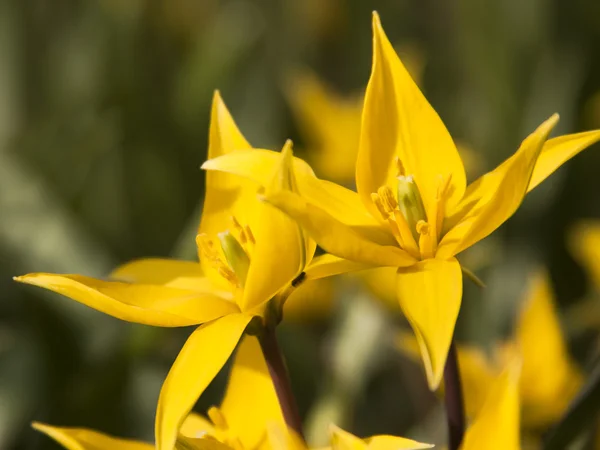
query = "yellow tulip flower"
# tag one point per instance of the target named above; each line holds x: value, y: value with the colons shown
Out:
x: 413, y: 210
x: 242, y: 267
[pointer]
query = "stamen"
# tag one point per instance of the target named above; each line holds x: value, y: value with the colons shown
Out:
x: 249, y: 234
x: 387, y: 198
x: 217, y: 418
x: 379, y: 204
x: 422, y: 227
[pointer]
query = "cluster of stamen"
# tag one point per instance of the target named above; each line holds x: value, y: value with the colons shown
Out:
x: 222, y: 432
x: 414, y: 231
x: 225, y: 262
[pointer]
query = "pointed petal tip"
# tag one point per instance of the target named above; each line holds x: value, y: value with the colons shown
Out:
x: 288, y: 149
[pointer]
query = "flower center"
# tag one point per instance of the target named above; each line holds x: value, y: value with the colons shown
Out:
x: 416, y: 229
x: 231, y: 257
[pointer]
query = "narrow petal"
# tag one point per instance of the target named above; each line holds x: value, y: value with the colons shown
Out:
x: 225, y: 195
x: 342, y: 440
x: 496, y: 426
x: 559, y: 150
x: 250, y: 402
x: 398, y: 122
x: 549, y: 378
x: 282, y: 249
x: 259, y: 165
x: 503, y: 192
x: 430, y: 294
x: 197, y: 426
x: 584, y: 243
x: 165, y: 272
x: 147, y: 304
x: 85, y: 439
x: 329, y: 265
x: 198, y: 362
x: 337, y: 238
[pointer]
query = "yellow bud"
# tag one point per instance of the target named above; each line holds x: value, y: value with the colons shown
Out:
x: 410, y: 203
x: 236, y: 257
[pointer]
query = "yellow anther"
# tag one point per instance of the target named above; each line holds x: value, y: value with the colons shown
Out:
x: 387, y: 199
x: 379, y: 204
x: 217, y: 418
x: 422, y: 227
x: 400, y: 172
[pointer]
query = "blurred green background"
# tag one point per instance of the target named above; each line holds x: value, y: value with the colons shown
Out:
x: 104, y: 109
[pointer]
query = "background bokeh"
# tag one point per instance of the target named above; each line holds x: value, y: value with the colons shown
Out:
x: 104, y: 109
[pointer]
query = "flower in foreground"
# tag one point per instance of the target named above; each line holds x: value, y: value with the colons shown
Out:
x: 241, y: 269
x: 249, y: 418
x: 413, y: 209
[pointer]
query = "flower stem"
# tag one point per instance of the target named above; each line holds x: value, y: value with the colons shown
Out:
x: 281, y: 379
x: 453, y: 397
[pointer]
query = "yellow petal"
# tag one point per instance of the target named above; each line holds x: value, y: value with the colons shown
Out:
x: 203, y: 355
x: 282, y: 248
x: 225, y: 195
x: 559, y: 150
x: 398, y: 122
x: 197, y: 426
x: 250, y: 402
x: 342, y: 440
x: 147, y: 304
x: 430, y: 294
x: 499, y: 196
x: 554, y: 153
x: 328, y: 265
x: 85, y: 439
x: 549, y: 378
x: 166, y: 272
x: 337, y: 238
x: 259, y: 165
x: 496, y: 426
x: 584, y: 242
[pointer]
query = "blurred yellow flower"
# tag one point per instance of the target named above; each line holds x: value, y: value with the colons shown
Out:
x: 239, y: 423
x: 241, y: 269
x: 413, y: 210
x: 549, y: 377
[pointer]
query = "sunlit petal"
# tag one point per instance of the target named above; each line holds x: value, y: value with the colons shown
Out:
x: 203, y: 355
x: 148, y: 304
x: 336, y: 237
x: 503, y: 193
x: 225, y: 195
x: 328, y: 265
x: 167, y: 272
x: 430, y: 294
x: 197, y: 426
x: 85, y: 439
x: 398, y: 122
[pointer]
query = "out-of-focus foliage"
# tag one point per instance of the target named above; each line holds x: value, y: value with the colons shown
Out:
x: 104, y: 111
